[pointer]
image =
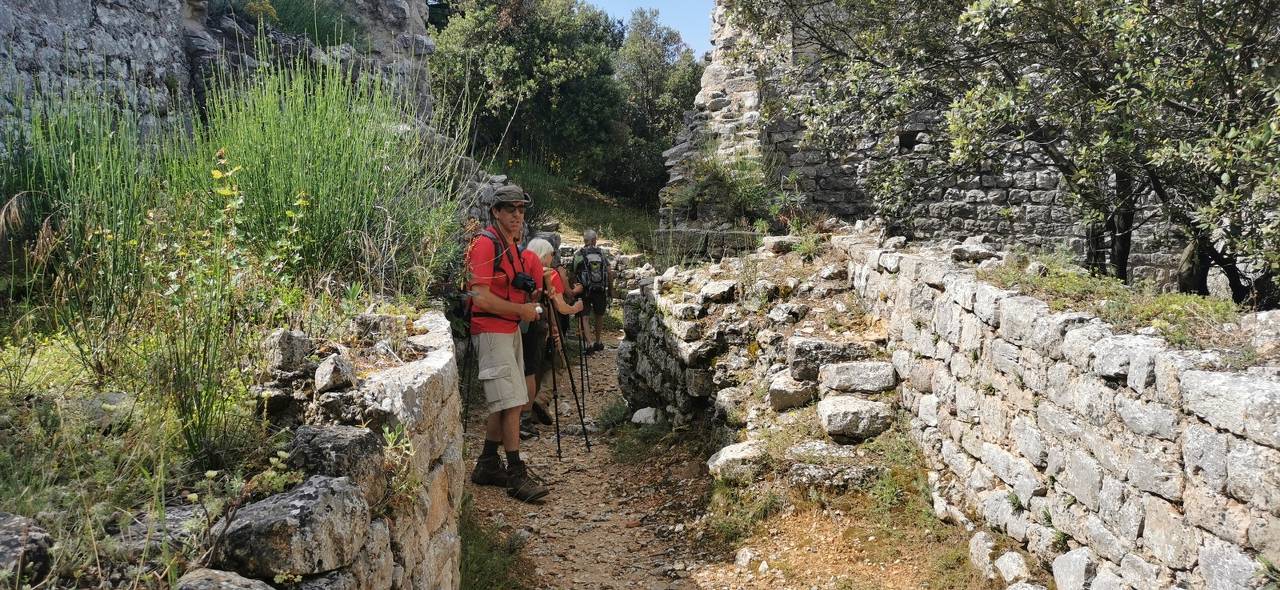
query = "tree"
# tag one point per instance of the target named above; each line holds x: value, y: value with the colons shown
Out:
x: 1123, y: 98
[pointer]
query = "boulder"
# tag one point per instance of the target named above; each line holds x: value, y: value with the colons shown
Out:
x: 153, y: 534
x: 731, y: 405
x: 719, y: 291
x: 821, y: 452
x: 981, y: 547
x: 24, y: 548
x: 335, y: 372
x: 739, y: 461
x: 316, y: 527
x: 788, y: 313
x: 786, y: 393
x: 851, y: 420
x: 646, y: 416
x: 1074, y: 570
x: 858, y: 377
x: 207, y: 579
x: 286, y: 350
x: 342, y: 451
x: 805, y: 355
x: 1012, y: 567
x: 972, y: 253
x: 779, y: 244
x: 836, y: 478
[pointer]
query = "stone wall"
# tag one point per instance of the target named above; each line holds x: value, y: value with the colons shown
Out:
x: 1020, y: 203
x: 153, y: 56
x: 370, y: 515
x: 132, y: 52
x: 1163, y: 466
x: 1117, y: 460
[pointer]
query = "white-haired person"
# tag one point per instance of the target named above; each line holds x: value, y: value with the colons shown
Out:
x: 553, y: 281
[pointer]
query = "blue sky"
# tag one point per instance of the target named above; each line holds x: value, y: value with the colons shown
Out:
x: 691, y: 17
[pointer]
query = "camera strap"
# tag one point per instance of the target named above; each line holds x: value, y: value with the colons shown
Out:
x: 502, y: 251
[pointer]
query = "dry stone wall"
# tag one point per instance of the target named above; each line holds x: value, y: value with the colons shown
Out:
x: 1160, y: 468
x: 1020, y: 202
x: 153, y: 56
x: 1115, y: 459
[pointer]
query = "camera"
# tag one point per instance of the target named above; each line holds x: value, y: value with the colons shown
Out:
x: 524, y: 283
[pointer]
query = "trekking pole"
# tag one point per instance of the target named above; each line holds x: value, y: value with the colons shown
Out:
x: 468, y: 381
x: 555, y: 387
x: 582, y: 421
x: 584, y: 367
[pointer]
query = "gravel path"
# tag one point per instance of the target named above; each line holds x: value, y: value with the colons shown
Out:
x: 600, y: 526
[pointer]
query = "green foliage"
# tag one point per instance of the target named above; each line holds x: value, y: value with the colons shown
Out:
x: 322, y: 21
x: 733, y: 513
x: 579, y: 207
x: 559, y: 82
x: 1186, y: 321
x: 1269, y: 573
x: 738, y: 188
x: 1123, y: 99
x: 614, y: 415
x: 632, y: 443
x: 488, y: 561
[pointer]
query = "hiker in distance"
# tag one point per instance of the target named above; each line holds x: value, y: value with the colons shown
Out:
x: 591, y: 267
x: 502, y: 301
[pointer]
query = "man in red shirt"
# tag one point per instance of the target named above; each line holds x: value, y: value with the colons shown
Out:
x: 502, y: 298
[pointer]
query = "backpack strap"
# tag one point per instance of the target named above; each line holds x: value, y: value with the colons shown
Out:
x: 501, y: 251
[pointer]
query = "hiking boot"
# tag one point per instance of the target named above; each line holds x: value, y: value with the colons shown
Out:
x: 523, y: 485
x: 489, y: 471
x: 541, y: 415
x: 598, y: 346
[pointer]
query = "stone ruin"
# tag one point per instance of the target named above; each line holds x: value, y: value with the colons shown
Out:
x: 1113, y: 460
x: 365, y: 516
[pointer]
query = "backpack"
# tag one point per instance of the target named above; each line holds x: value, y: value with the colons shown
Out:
x: 462, y: 307
x: 594, y: 274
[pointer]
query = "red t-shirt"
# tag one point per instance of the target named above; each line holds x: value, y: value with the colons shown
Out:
x: 480, y: 264
x: 557, y: 283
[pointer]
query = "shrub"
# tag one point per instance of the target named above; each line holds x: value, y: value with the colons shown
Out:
x: 488, y: 560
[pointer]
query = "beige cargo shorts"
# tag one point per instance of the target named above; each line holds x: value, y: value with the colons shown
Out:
x: 501, y: 361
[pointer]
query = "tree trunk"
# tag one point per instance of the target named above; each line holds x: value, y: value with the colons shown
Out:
x: 1095, y: 253
x: 1193, y: 268
x: 1121, y: 224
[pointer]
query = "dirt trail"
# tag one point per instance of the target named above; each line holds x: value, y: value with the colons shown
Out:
x: 598, y: 528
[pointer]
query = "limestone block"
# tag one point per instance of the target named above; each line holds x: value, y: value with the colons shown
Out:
x: 1107, y: 578
x: 850, y: 420
x: 342, y: 451
x: 718, y: 291
x: 1004, y: 356
x: 1103, y: 540
x: 1120, y: 507
x: 739, y: 461
x: 1168, y: 369
x: 1253, y: 474
x: 1078, y: 343
x: 1113, y: 355
x: 858, y: 376
x: 1247, y: 405
x: 788, y: 313
x: 1137, y: 572
x: 1074, y: 570
x: 1094, y: 400
x: 786, y: 393
x: 981, y: 547
x: 1148, y: 418
x: 286, y: 350
x: 1019, y: 473
x: 779, y: 244
x: 334, y: 372
x: 1224, y: 566
x: 24, y: 546
x: 1049, y: 330
x: 1018, y: 316
x: 207, y: 579
x: 1027, y: 439
x: 1012, y: 567
x: 316, y: 527
x: 806, y: 355
x: 1216, y: 514
x: 414, y: 392
x: 1081, y: 477
x: 1204, y: 454
x: 1167, y: 534
x: 1154, y: 467
x: 986, y: 298
x: 1264, y: 535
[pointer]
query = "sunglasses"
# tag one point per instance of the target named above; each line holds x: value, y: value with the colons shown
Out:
x: 508, y: 207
